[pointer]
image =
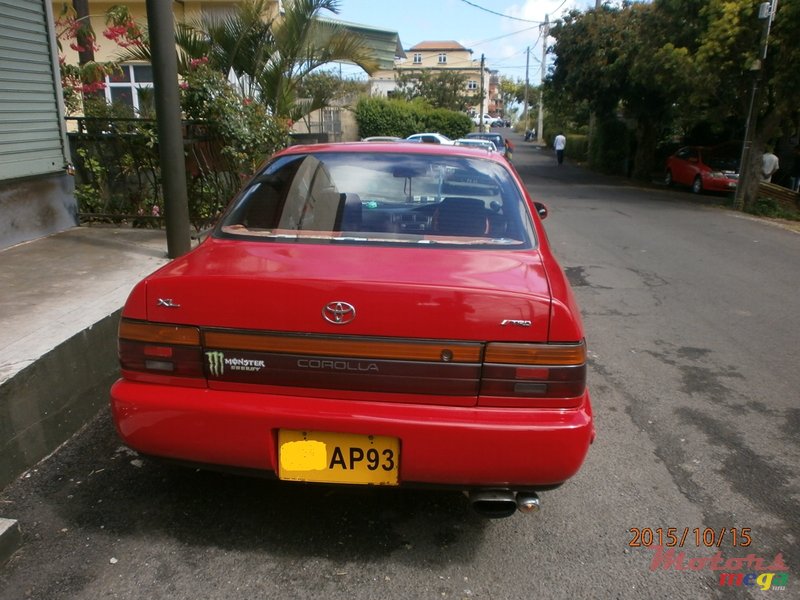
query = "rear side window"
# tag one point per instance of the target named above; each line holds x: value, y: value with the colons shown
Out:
x: 377, y: 198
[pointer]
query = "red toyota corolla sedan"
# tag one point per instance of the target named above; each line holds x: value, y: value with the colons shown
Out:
x: 375, y: 314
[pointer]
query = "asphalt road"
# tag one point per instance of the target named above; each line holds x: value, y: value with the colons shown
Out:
x: 692, y: 321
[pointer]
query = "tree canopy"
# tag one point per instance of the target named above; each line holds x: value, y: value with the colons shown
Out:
x: 440, y: 89
x: 670, y: 66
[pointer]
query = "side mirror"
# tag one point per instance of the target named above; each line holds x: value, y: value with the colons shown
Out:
x: 541, y: 209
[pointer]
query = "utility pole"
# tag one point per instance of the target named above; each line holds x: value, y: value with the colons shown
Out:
x: 480, y: 115
x: 525, y: 109
x: 170, y: 132
x: 766, y: 13
x: 540, y: 125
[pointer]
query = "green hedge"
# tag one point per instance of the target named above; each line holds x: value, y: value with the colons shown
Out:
x: 577, y: 145
x: 379, y: 116
x: 611, y: 152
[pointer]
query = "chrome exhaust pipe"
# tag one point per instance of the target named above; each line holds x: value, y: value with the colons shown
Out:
x: 528, y: 502
x: 493, y: 504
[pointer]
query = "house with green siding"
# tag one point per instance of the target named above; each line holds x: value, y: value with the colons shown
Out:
x: 36, y: 193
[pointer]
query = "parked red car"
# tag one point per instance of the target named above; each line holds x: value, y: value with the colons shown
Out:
x: 369, y: 313
x: 714, y: 169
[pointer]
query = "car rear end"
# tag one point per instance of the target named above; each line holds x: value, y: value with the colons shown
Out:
x: 405, y: 345
x: 721, y: 172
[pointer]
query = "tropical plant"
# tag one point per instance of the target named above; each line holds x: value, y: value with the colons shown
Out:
x: 270, y: 59
x: 248, y: 134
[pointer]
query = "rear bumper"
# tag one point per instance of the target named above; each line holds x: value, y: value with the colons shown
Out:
x: 719, y: 184
x: 439, y: 445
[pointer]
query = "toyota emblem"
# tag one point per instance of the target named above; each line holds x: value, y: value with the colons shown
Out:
x: 339, y: 313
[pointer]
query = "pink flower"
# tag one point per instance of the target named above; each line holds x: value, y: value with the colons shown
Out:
x: 196, y: 62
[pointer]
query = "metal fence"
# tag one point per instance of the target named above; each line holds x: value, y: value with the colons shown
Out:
x: 118, y: 175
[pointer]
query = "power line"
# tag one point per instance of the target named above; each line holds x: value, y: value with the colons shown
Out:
x: 500, y: 37
x: 501, y: 14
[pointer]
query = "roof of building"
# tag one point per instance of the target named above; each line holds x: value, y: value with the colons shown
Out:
x: 384, y: 44
x: 439, y: 45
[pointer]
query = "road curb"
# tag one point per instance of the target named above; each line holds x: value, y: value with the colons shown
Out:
x: 43, y: 405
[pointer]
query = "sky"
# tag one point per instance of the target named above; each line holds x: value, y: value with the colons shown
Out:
x: 472, y: 23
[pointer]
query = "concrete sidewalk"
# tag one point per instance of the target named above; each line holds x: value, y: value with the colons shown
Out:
x: 59, y: 301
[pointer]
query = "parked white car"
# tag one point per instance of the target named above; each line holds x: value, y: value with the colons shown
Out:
x: 475, y: 143
x: 487, y: 120
x: 430, y: 138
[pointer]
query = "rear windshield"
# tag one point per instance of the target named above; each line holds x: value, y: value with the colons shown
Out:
x: 377, y: 198
x: 722, y: 160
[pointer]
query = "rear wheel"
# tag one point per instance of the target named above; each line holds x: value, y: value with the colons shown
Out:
x: 668, y: 179
x: 697, y: 185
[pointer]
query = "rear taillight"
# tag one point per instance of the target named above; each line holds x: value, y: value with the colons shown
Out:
x: 535, y: 375
x: 158, y: 349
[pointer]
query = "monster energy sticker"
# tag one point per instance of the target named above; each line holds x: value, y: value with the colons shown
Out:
x: 217, y: 364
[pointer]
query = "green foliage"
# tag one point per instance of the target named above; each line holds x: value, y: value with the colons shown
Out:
x: 90, y: 195
x: 440, y: 89
x: 610, y: 147
x: 620, y: 62
x: 248, y: 133
x: 303, y: 42
x: 671, y: 67
x: 118, y: 166
x: 578, y: 147
x: 769, y: 207
x: 376, y: 116
x: 447, y: 122
x: 379, y: 116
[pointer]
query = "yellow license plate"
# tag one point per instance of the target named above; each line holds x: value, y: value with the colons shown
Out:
x: 327, y: 457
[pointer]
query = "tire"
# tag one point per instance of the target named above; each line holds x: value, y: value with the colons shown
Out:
x: 668, y: 179
x: 697, y: 185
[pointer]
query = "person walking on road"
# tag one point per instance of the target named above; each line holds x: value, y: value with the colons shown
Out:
x: 559, y: 144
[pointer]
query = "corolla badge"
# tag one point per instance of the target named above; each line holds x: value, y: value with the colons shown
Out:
x: 339, y: 313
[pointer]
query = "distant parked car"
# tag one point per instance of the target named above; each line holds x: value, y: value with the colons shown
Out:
x: 498, y: 140
x: 714, y: 169
x: 488, y: 120
x: 476, y: 143
x: 430, y: 138
x: 382, y: 138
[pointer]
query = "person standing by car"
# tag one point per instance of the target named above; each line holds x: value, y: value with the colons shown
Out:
x: 769, y: 165
x: 559, y: 143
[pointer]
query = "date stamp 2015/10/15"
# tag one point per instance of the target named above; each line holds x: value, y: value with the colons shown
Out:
x: 699, y: 537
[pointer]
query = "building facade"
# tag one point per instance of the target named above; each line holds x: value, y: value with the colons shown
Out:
x: 36, y: 191
x: 437, y: 56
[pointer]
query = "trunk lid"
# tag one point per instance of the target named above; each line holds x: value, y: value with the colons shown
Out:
x: 397, y: 292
